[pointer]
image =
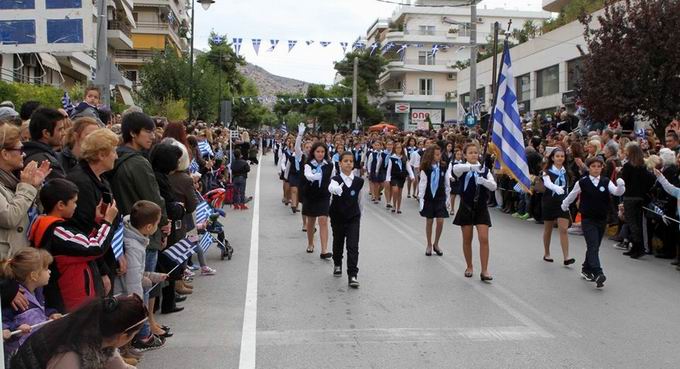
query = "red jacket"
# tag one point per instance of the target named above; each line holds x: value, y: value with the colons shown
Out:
x: 74, y: 274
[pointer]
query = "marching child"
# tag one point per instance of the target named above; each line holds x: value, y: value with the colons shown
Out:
x: 433, y: 189
x: 595, y: 191
x: 373, y: 164
x: 398, y: 170
x: 475, y: 184
x: 345, y: 212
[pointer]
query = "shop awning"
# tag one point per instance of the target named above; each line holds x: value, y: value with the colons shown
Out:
x: 50, y: 61
x: 126, y: 95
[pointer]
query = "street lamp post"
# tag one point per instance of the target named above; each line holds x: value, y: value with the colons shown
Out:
x: 206, y: 5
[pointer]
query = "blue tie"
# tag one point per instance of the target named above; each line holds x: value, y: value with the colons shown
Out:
x: 471, y: 174
x: 434, y: 180
x: 297, y: 164
x: 318, y: 169
x: 399, y: 163
x: 357, y: 155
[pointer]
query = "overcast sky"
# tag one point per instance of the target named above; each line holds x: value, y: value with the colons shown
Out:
x: 319, y: 20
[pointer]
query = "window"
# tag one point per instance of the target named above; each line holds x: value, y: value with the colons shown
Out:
x: 130, y: 75
x: 400, y: 85
x: 574, y: 73
x: 464, y: 30
x: 425, y: 58
x: 426, y: 30
x: 17, y: 31
x: 523, y: 87
x: 135, y: 16
x: 426, y: 87
x: 64, y: 31
x: 548, y: 81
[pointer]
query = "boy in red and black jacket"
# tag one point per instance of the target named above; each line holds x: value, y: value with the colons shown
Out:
x: 72, y: 282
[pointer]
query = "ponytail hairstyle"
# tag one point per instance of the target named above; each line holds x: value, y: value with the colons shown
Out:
x: 551, y: 158
x: 28, y: 260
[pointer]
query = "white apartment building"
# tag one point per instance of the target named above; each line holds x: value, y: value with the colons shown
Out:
x: 546, y: 69
x: 420, y: 83
x: 132, y: 26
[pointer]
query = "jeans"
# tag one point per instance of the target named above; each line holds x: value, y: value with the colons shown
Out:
x: 149, y: 266
x: 523, y: 204
x: 593, y: 231
x: 239, y: 190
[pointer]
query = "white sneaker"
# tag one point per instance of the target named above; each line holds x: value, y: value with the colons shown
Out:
x: 188, y: 273
x: 206, y: 270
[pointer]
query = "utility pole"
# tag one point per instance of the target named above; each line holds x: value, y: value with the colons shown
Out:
x: 354, y: 92
x: 473, y: 53
x: 191, y: 65
x: 219, y: 100
x: 103, y: 67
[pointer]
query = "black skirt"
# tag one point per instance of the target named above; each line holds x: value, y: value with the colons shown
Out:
x: 551, y: 207
x: 317, y: 207
x: 397, y: 182
x: 434, y: 209
x: 469, y: 215
x: 455, y: 188
x: 294, y: 179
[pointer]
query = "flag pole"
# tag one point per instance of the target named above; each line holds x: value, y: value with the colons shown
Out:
x: 489, y: 129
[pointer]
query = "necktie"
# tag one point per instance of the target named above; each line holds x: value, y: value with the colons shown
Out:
x: 434, y: 180
x: 318, y: 169
x: 560, y: 180
x: 399, y: 163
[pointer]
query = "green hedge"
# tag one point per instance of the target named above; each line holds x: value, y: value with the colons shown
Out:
x: 19, y: 93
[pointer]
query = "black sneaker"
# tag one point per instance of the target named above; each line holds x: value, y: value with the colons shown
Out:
x: 599, y: 279
x: 588, y: 276
x: 152, y: 343
x: 337, y: 271
x: 353, y: 282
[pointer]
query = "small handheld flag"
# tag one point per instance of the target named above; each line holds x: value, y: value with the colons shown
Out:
x: 117, y: 242
x: 205, y: 242
x: 202, y: 212
x: 205, y: 149
x: 180, y: 251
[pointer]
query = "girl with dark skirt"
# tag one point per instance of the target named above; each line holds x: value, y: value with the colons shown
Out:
x: 476, y: 182
x: 432, y: 191
x: 382, y: 174
x: 294, y: 169
x: 318, y: 173
x: 556, y: 183
x: 455, y: 187
x: 411, y: 146
x: 398, y: 171
x: 306, y: 150
x: 373, y: 163
x: 283, y: 169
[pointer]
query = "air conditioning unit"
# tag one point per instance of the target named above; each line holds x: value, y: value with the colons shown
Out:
x: 451, y: 76
x: 452, y: 95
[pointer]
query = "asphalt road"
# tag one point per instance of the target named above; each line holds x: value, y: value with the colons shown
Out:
x: 414, y: 311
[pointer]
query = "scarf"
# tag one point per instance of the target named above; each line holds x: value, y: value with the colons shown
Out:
x: 434, y: 179
x: 560, y: 173
x: 398, y: 161
x: 8, y: 180
x: 471, y: 174
x: 317, y: 168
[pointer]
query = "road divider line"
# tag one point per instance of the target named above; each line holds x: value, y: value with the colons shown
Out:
x: 249, y: 331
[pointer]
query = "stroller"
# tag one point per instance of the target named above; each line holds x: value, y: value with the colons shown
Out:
x: 215, y: 198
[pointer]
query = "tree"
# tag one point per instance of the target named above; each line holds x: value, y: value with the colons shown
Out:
x: 370, y: 68
x: 630, y: 69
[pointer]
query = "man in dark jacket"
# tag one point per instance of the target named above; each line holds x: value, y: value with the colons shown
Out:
x: 47, y: 130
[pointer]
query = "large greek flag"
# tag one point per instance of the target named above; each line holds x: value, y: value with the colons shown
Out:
x: 507, y: 140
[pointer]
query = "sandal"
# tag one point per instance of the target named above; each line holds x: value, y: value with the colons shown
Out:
x: 310, y: 250
x: 549, y: 260
x: 468, y: 273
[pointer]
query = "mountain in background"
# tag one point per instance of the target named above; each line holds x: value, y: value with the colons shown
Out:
x: 269, y: 84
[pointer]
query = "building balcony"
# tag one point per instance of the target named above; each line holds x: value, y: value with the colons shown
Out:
x: 179, y: 9
x: 118, y: 35
x: 554, y: 5
x: 396, y: 95
x: 157, y: 28
x: 134, y: 56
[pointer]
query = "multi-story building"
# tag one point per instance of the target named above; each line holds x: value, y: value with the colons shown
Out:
x: 161, y: 25
x: 422, y: 80
x: 546, y: 69
x: 64, y: 69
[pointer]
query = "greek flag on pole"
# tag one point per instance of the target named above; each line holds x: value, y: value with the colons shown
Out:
x: 205, y: 242
x: 67, y: 104
x: 507, y: 139
x: 205, y: 149
x: 180, y: 251
x: 202, y: 212
x: 193, y: 166
x: 117, y: 242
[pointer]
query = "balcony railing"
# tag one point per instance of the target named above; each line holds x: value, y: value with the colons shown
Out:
x: 422, y: 63
x: 120, y: 26
x: 135, y: 54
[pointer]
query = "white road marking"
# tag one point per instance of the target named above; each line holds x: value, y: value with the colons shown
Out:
x: 482, y: 289
x: 249, y: 331
x: 525, y: 305
x: 396, y: 335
